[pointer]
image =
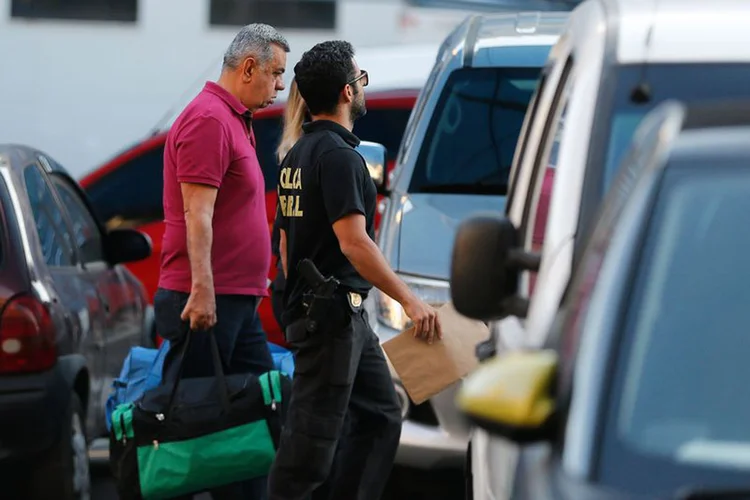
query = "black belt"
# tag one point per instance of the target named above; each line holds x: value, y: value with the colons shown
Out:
x: 299, y: 311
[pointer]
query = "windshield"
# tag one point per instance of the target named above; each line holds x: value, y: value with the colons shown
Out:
x: 681, y: 399
x: 472, y: 135
x: 698, y: 82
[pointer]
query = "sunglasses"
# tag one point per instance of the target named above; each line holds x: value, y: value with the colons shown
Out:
x: 362, y: 76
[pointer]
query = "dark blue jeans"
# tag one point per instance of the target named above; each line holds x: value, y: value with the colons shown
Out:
x: 243, y: 349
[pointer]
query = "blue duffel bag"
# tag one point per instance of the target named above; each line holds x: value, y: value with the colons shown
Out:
x: 142, y: 369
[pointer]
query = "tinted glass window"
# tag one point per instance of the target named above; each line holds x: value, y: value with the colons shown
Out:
x: 305, y: 14
x: 415, y: 115
x: 385, y: 126
x: 84, y: 10
x: 267, y: 136
x: 680, y: 399
x: 88, y: 240
x: 472, y: 135
x: 131, y: 195
x: 54, y: 237
x: 698, y: 82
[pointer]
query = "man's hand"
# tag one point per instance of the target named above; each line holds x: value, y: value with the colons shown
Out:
x: 425, y: 320
x: 200, y: 309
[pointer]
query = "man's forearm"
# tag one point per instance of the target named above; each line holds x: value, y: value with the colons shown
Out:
x: 199, y: 241
x: 369, y: 262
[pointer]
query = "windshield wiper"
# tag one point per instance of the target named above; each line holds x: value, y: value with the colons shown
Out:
x: 714, y: 494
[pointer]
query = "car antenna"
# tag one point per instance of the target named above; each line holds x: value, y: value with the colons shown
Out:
x: 187, y: 94
x: 641, y: 93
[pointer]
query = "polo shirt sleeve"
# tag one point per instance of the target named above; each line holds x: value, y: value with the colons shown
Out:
x: 202, y: 152
x: 342, y: 183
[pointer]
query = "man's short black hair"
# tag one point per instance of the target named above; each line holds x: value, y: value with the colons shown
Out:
x: 322, y: 73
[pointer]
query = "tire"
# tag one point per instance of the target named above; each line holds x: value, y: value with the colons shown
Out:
x: 62, y: 473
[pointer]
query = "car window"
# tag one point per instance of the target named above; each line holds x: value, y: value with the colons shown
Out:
x: 267, y: 136
x: 680, y: 402
x: 536, y: 207
x: 482, y: 110
x: 385, y: 126
x: 86, y: 233
x: 699, y: 82
x: 54, y: 237
x: 416, y: 114
x: 542, y: 198
x: 131, y: 194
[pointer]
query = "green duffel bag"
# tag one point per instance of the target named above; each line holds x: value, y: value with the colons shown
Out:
x: 198, y: 434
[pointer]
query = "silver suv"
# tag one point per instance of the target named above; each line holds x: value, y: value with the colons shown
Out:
x: 455, y: 160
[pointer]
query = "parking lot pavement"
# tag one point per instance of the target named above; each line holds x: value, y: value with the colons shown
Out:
x: 404, y: 484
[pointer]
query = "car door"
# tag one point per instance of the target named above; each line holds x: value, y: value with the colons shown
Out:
x: 533, y: 227
x: 65, y: 282
x: 122, y: 308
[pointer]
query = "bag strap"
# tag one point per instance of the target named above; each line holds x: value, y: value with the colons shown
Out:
x: 218, y: 372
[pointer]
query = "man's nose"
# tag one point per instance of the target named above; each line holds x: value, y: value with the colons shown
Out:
x: 280, y: 84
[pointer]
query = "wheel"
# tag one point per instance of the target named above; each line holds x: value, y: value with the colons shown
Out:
x: 63, y: 472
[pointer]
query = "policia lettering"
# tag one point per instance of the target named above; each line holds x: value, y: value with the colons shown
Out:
x: 291, y: 179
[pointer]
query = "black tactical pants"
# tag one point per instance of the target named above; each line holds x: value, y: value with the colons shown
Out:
x: 340, y: 373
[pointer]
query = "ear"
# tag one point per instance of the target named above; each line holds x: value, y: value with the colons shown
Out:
x: 249, y: 68
x: 347, y: 94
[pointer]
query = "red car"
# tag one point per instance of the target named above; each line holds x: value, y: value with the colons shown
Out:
x: 126, y: 192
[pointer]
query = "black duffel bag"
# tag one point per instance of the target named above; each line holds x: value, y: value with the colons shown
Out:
x: 197, y: 434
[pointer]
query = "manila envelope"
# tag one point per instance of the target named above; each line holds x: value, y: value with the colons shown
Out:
x: 426, y: 369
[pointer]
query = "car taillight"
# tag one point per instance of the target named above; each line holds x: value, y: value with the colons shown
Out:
x: 27, y: 336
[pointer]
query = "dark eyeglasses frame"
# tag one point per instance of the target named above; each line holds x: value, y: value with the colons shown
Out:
x: 363, y: 74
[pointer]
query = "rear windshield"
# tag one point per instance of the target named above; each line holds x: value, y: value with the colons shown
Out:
x: 473, y: 132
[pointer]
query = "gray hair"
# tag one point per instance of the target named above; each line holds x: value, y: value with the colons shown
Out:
x: 256, y: 39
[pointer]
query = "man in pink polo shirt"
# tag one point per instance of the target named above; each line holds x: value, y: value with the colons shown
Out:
x: 216, y: 249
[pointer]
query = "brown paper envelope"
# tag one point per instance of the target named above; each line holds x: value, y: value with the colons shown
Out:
x: 426, y: 369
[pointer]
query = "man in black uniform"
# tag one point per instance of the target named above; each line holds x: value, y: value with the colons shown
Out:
x: 326, y: 208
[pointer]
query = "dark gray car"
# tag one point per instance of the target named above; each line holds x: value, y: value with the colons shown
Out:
x: 69, y: 314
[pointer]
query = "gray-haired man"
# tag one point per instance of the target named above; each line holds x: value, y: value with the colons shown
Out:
x: 216, y: 249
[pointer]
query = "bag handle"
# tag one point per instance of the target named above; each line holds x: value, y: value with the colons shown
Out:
x: 218, y: 372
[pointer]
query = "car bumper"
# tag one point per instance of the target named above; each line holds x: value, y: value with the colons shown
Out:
x: 427, y: 447
x: 429, y: 438
x: 31, y: 409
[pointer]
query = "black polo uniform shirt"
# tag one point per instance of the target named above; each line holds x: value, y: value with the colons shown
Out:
x: 322, y: 179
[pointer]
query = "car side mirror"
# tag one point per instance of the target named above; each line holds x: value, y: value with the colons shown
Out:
x: 375, y: 156
x: 485, y: 268
x: 511, y: 396
x: 127, y: 245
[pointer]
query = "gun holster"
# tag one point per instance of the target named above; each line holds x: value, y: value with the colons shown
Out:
x: 318, y: 302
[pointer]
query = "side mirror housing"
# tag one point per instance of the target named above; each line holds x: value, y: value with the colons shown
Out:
x: 127, y: 245
x: 376, y: 159
x: 511, y: 396
x: 485, y: 268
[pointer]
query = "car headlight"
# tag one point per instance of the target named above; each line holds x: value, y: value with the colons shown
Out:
x: 433, y: 292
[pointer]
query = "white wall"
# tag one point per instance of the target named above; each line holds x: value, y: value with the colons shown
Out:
x: 83, y: 91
